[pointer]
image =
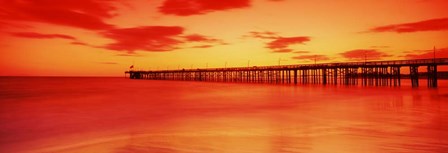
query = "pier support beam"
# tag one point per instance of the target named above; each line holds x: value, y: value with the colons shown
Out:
x: 396, y: 76
x: 432, y: 76
x: 135, y: 75
x: 295, y: 76
x: 414, y: 75
x: 324, y: 76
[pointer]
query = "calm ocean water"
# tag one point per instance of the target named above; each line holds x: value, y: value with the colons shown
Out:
x: 118, y: 115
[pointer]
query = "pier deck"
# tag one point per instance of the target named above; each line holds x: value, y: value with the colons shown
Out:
x: 371, y: 73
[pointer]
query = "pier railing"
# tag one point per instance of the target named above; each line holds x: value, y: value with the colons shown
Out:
x: 378, y: 73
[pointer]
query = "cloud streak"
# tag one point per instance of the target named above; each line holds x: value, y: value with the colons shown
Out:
x: 426, y: 25
x: 283, y: 42
x: 196, y: 7
x: 425, y: 54
x: 362, y: 54
x: 279, y: 44
x: 202, y: 46
x: 301, y: 52
x: 310, y: 58
x: 201, y: 38
x: 34, y: 35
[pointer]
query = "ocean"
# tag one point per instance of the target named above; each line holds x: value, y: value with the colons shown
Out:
x: 120, y: 115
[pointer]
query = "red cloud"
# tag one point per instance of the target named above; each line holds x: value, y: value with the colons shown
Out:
x: 79, y: 43
x: 362, y: 54
x: 147, y: 38
x: 42, y: 36
x: 278, y: 44
x: 425, y: 54
x: 301, y: 52
x: 193, y: 7
x: 34, y: 35
x: 202, y: 46
x: 312, y: 57
x: 286, y: 50
x: 202, y: 41
x: 86, y: 14
x: 284, y: 42
x: 427, y: 25
x: 200, y: 38
x: 263, y: 35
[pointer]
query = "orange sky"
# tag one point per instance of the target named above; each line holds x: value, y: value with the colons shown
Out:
x: 103, y: 38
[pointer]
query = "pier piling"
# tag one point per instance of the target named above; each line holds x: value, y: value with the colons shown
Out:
x: 373, y: 73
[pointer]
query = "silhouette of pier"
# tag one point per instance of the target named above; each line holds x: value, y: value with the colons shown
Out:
x: 370, y: 73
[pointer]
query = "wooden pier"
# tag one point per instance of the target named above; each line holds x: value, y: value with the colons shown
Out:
x: 372, y: 73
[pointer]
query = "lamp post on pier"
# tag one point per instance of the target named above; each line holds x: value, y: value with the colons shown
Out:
x: 434, y: 54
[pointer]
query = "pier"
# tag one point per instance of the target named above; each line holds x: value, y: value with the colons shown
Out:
x: 370, y: 73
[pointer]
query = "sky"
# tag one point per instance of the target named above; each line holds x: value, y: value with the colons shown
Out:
x: 106, y: 37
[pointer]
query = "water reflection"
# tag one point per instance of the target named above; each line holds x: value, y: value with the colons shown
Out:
x: 180, y: 117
